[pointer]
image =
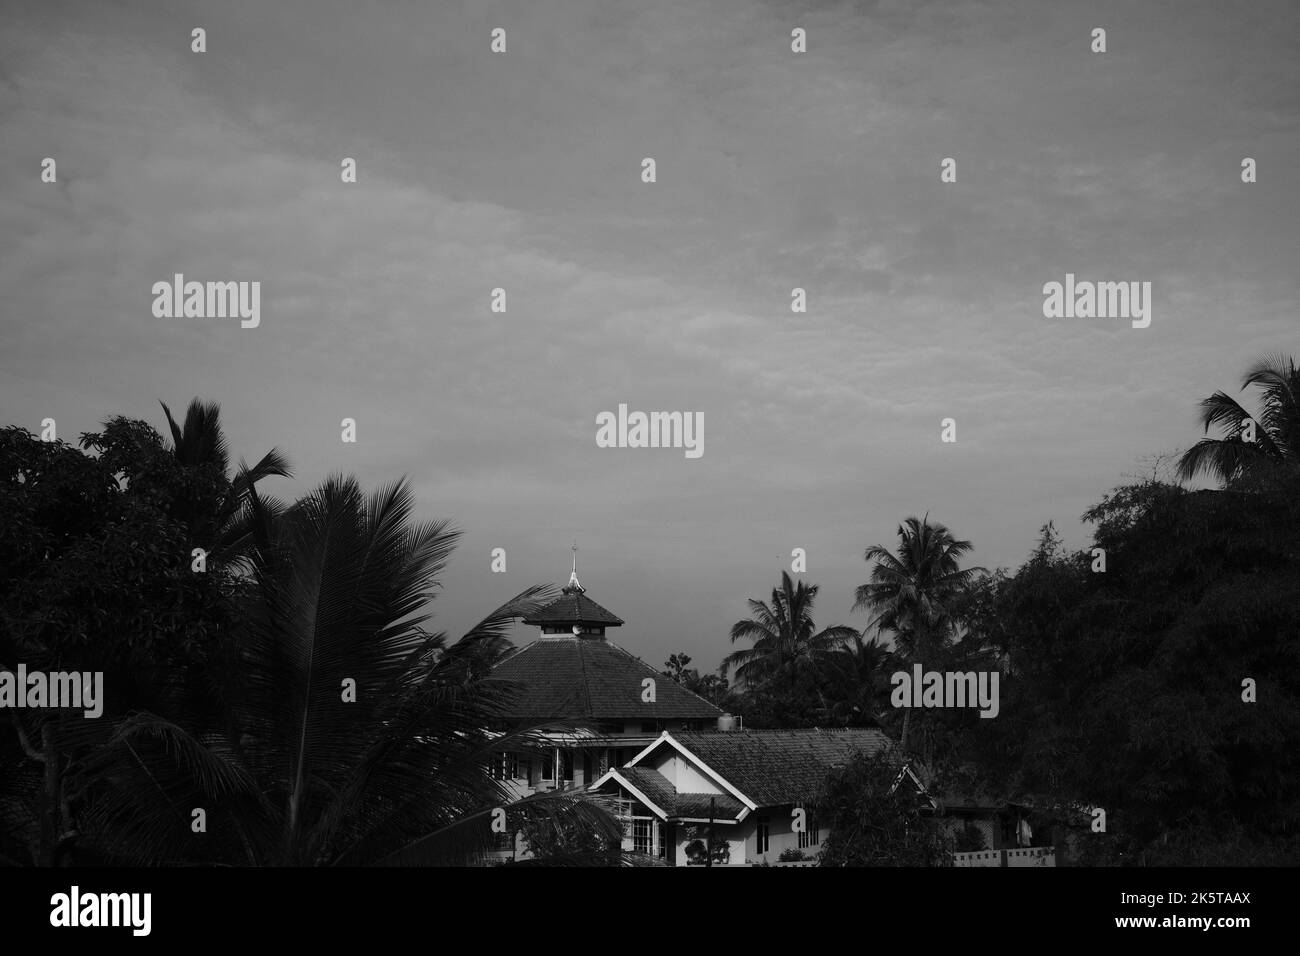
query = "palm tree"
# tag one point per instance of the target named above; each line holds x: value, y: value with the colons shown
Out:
x: 224, y: 530
x: 1276, y: 427
x: 856, y: 680
x: 786, y: 641
x: 351, y: 735
x: 914, y: 590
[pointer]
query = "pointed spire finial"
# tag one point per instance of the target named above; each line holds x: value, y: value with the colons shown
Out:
x: 573, y: 584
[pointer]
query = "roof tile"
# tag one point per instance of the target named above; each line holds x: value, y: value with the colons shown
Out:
x: 573, y: 607
x: 776, y: 767
x: 572, y: 678
x: 660, y: 791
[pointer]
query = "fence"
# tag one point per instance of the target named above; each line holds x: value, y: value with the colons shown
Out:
x: 1021, y: 856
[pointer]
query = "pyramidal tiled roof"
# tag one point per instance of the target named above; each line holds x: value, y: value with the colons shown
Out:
x: 573, y: 677
x: 573, y: 607
x: 774, y: 767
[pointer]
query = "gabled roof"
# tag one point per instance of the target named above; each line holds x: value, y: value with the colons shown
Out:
x: 775, y: 767
x: 572, y: 678
x: 760, y: 768
x: 653, y: 785
x: 668, y: 803
x: 573, y: 607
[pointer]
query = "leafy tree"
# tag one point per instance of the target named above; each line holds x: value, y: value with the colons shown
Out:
x: 876, y: 818
x: 574, y: 833
x: 1276, y: 441
x: 787, y: 643
x: 354, y: 735
x: 712, y: 687
x: 1127, y: 686
x: 675, y: 667
x: 299, y: 700
x: 778, y: 704
x: 95, y: 576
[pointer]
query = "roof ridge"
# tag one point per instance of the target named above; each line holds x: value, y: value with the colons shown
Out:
x: 586, y: 685
x: 513, y: 652
x: 659, y: 673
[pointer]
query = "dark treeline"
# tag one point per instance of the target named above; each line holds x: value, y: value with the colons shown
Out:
x: 1154, y: 674
x: 271, y: 696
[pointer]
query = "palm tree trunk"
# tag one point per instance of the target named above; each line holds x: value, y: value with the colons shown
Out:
x: 919, y: 650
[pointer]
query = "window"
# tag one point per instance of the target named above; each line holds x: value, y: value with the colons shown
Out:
x: 649, y: 727
x: 548, y: 768
x: 811, y: 834
x: 641, y: 836
x: 566, y: 764
x: 763, y: 835
x: 588, y: 768
x: 512, y: 766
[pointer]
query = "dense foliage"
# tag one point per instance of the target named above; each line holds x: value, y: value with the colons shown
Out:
x: 876, y: 819
x: 95, y: 558
x: 1125, y: 687
x: 1154, y: 675
x: 274, y: 702
x: 269, y: 665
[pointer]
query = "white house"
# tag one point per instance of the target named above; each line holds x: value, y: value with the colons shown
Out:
x: 753, y: 788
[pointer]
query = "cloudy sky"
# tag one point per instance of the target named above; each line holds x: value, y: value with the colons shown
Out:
x: 775, y: 170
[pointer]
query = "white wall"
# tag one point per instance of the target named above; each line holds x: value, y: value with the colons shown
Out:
x: 781, y: 835
x: 679, y: 771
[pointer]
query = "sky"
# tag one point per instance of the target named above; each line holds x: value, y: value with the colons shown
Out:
x: 774, y: 170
